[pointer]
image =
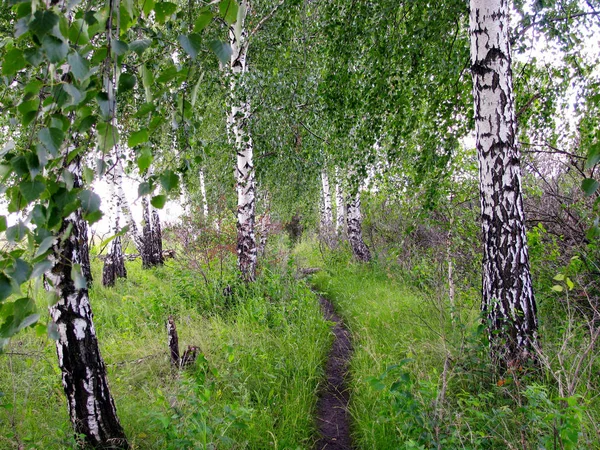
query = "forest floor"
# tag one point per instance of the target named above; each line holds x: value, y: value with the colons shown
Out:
x: 332, y: 407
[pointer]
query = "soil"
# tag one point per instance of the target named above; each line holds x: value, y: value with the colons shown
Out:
x: 333, y: 419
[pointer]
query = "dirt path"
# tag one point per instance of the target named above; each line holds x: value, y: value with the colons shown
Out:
x: 333, y: 419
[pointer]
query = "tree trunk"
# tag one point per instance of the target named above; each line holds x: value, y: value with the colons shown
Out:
x: 203, y: 193
x: 91, y: 407
x: 147, y: 252
x: 173, y: 342
x: 238, y: 130
x: 157, y: 247
x: 137, y: 238
x: 326, y: 210
x: 508, y: 301
x: 359, y: 248
x: 114, y: 264
x: 339, y: 203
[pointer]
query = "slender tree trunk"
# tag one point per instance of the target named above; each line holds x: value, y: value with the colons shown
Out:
x: 238, y: 130
x: 147, y: 252
x: 326, y: 209
x: 91, y: 407
x: 203, y: 193
x: 355, y: 237
x: 339, y: 203
x: 137, y: 238
x: 114, y: 264
x: 157, y: 247
x: 508, y: 301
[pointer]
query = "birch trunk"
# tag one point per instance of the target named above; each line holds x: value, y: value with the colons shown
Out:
x: 238, y: 130
x: 137, y: 238
x: 147, y: 252
x: 114, y: 264
x: 508, y: 301
x: 326, y: 210
x: 157, y: 247
x: 203, y: 193
x: 355, y: 237
x: 339, y: 203
x: 91, y: 407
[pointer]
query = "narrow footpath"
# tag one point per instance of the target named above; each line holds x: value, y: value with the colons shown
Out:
x: 333, y: 419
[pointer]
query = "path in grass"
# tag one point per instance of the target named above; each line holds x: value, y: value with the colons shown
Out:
x: 332, y: 406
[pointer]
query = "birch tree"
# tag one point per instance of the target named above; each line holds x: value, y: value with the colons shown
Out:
x: 355, y: 237
x: 508, y: 301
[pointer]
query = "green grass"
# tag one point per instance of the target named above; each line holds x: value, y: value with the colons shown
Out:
x: 263, y: 348
x: 420, y: 379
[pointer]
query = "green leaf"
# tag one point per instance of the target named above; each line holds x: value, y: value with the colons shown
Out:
x: 41, y: 268
x: 80, y: 67
x: 169, y: 180
x: 108, y: 136
x: 144, y: 159
x: 78, y: 32
x: 137, y: 138
x: 559, y: 277
x: 127, y: 82
x: 90, y: 204
x: 52, y: 139
x: 45, y: 246
x: 192, y: 43
x: 119, y: 47
x: 56, y: 50
x: 77, y: 277
x: 43, y: 22
x: 167, y: 74
x: 3, y: 224
x: 31, y: 190
x: 204, y: 18
x: 20, y: 271
x: 158, y: 201
x: 140, y: 45
x: 589, y: 186
x: 228, y: 10
x: 143, y: 189
x: 146, y: 108
x: 163, y: 10
x: 570, y: 284
x: 33, y: 56
x: 222, y: 50
x: 16, y: 232
x: 13, y: 62
x: 593, y: 156
x: 5, y: 287
x: 557, y: 288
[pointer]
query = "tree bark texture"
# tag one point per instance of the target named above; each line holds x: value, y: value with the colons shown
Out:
x: 326, y: 209
x: 138, y: 239
x: 339, y: 203
x: 508, y: 301
x: 91, y: 407
x: 173, y: 342
x: 355, y: 237
x: 239, y: 131
x: 114, y: 264
x: 203, y: 193
x: 157, y: 247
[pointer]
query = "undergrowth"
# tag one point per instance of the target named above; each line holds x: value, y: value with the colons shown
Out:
x: 421, y: 377
x: 252, y: 386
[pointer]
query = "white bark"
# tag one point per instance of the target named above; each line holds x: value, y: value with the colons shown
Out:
x: 239, y: 132
x: 355, y: 237
x: 326, y: 210
x: 203, y: 193
x: 339, y: 203
x: 508, y: 300
x: 91, y: 407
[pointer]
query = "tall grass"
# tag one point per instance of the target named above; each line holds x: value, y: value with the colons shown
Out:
x: 253, y: 386
x: 420, y: 375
